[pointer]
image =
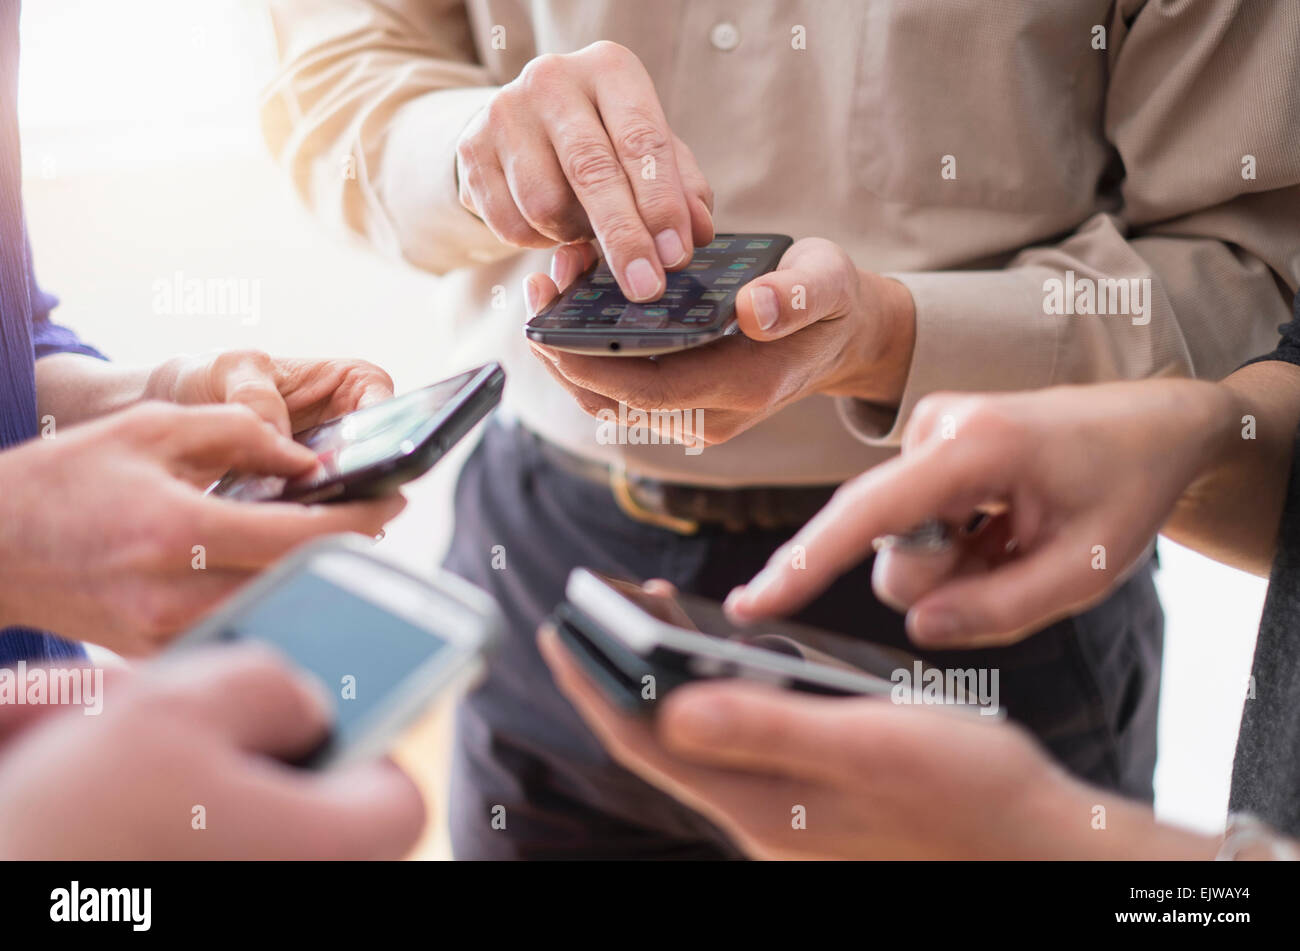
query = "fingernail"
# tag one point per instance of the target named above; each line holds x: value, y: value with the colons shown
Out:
x: 560, y: 268
x: 936, y: 627
x: 735, y: 598
x: 669, y: 245
x: 642, y: 280
x: 530, y: 297
x: 766, y: 309
x: 760, y: 584
x: 886, y: 596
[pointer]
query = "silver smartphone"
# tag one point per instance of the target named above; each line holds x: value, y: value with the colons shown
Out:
x: 382, y: 642
x: 680, y: 637
x: 627, y: 639
x: 698, y: 304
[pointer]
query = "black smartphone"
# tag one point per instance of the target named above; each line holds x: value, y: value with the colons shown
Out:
x: 638, y: 646
x: 382, y: 643
x: 592, y: 316
x: 371, y: 452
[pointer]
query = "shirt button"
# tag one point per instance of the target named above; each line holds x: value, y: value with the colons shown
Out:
x: 725, y: 36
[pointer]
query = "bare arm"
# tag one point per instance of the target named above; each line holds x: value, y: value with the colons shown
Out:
x: 1232, y: 510
x: 73, y: 388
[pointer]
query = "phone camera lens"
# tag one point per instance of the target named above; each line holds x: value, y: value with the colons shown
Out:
x: 614, y: 345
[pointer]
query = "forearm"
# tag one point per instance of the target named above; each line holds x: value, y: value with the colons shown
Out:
x: 1099, y: 826
x: 1231, y: 511
x: 73, y: 388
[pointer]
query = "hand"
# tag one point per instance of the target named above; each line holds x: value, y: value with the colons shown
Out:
x: 203, y: 731
x: 292, y: 395
x: 106, y: 535
x: 578, y: 147
x: 814, y: 325
x: 872, y: 780
x: 1074, y: 483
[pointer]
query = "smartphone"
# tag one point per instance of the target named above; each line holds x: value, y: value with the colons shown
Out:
x: 698, y: 305
x: 622, y: 635
x: 382, y: 642
x: 371, y: 452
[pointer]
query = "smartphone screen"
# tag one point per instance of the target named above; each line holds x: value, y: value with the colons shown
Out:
x: 699, y: 298
x: 810, y: 644
x: 356, y: 442
x: 360, y: 651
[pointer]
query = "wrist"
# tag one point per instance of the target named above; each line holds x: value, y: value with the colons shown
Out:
x: 873, y: 367
x: 1100, y: 826
x: 1212, y: 422
x: 161, y: 383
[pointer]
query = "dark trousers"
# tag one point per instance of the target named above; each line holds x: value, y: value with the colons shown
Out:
x: 1087, y: 687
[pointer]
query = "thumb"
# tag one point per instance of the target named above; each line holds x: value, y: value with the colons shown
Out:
x: 815, y: 281
x: 758, y: 728
x: 253, y: 384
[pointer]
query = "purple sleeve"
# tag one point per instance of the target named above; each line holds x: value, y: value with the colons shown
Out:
x: 49, y: 337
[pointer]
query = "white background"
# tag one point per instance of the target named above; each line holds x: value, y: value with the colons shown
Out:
x: 143, y: 159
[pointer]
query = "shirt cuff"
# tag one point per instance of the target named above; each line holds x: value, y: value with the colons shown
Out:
x: 416, y: 182
x: 975, y: 331
x: 49, y: 338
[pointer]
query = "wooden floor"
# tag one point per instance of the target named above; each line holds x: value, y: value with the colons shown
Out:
x: 423, y: 752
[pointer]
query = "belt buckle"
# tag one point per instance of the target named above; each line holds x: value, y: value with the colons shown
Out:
x: 628, y: 504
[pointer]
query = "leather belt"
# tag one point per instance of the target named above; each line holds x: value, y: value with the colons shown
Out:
x: 684, y: 509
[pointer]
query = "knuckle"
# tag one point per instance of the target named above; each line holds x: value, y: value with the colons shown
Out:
x: 705, y: 192
x: 987, y: 419
x: 609, y: 53
x: 227, y: 359
x: 247, y: 388
x: 465, y: 156
x: 590, y: 165
x: 641, y: 135
x: 622, y: 233
x: 496, y: 113
x: 373, y: 370
x: 547, y: 208
x: 589, y: 403
x: 513, y: 230
x: 652, y: 396
x: 928, y: 412
x: 542, y: 73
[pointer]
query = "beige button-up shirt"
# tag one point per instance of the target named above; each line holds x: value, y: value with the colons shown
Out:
x: 1021, y: 165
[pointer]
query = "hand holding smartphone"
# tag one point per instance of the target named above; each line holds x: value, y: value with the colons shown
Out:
x: 592, y: 316
x: 383, y: 643
x: 374, y: 450
x: 639, y: 643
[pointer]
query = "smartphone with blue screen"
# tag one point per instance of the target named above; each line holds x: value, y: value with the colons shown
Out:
x: 383, y: 643
x: 698, y: 305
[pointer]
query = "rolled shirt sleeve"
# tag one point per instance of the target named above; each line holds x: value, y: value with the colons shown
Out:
x: 47, y: 336
x: 1203, y: 111
x: 365, y: 115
